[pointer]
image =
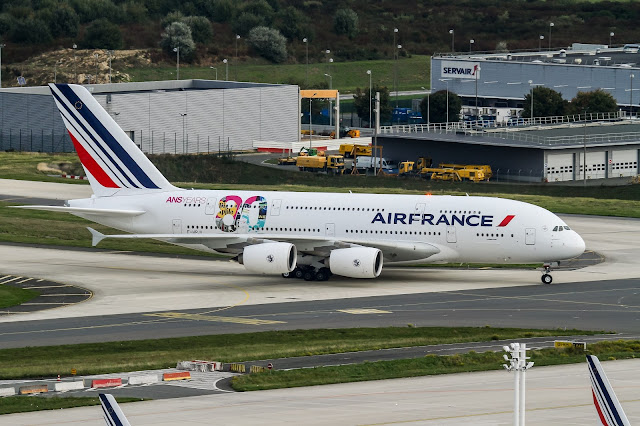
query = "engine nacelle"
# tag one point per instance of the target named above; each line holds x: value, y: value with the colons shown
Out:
x: 356, y: 262
x: 269, y: 258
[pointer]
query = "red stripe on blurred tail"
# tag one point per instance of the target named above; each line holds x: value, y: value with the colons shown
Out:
x: 91, y: 165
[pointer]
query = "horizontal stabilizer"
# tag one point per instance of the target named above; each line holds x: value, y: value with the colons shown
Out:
x: 85, y: 210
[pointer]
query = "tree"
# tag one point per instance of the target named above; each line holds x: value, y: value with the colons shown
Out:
x: 346, y: 22
x: 269, y: 43
x: 33, y: 31
x: 64, y: 22
x: 546, y: 103
x: 102, y: 34
x: 291, y: 23
x: 220, y: 10
x: 7, y: 23
x: 244, y: 23
x: 178, y: 34
x: 200, y: 28
x: 361, y: 103
x: 438, y: 107
x: 593, y: 102
x: 259, y: 8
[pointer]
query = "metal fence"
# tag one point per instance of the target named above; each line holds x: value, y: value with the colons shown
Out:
x: 12, y: 139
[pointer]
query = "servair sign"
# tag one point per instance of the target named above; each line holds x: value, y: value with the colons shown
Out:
x: 460, y: 69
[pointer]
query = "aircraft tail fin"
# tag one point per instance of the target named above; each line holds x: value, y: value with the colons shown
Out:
x: 113, y: 415
x: 112, y: 161
x: 604, y: 398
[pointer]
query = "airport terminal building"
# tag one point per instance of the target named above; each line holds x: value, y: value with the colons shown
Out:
x: 175, y: 116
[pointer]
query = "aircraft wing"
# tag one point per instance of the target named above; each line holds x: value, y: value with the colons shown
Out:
x: 84, y: 210
x: 318, y: 246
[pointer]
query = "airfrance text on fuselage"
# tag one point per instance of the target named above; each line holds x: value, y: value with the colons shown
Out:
x: 425, y: 218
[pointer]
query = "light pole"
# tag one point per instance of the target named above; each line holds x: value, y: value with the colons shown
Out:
x: 95, y: 55
x: 310, y: 127
x: 631, y: 76
x: 306, y: 45
x: 446, y: 80
x: 75, y: 68
x: 216, y: 70
x: 369, y: 72
x: 540, y: 43
x: 235, y: 61
x: 519, y: 364
x: 428, y: 105
x: 1, y: 46
x: 395, y: 61
x: 452, y: 37
x: 531, y: 89
x: 477, y: 110
x: 226, y: 72
x: 550, y: 26
x: 396, y: 73
x: 330, y: 103
x: 184, y: 116
x: 584, y: 143
x: 611, y: 34
x: 177, y: 50
x: 110, y: 52
x: 55, y: 70
x: 471, y: 44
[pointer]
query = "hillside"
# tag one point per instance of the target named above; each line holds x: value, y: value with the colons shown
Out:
x: 354, y: 30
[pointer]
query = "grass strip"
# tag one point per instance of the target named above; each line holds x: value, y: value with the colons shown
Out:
x: 425, y: 366
x: 21, y: 404
x: 111, y: 357
x: 12, y: 296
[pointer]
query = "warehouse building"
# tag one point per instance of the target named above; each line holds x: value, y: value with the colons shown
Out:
x: 177, y: 116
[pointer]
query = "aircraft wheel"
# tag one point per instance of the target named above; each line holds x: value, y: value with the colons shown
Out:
x: 289, y: 274
x: 546, y: 279
x: 309, y: 275
x: 298, y: 273
x: 323, y: 274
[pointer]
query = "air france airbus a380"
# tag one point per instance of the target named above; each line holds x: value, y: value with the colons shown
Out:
x: 306, y: 235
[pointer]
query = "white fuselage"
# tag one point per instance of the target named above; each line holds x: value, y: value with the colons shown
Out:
x: 464, y: 229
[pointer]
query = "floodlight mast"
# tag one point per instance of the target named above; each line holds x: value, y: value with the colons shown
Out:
x: 518, y: 363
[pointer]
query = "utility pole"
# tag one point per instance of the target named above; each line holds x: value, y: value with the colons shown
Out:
x: 519, y: 365
x: 306, y: 79
x: 1, y: 46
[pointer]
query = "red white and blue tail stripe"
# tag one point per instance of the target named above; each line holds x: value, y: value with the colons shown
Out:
x: 604, y: 398
x: 113, y: 163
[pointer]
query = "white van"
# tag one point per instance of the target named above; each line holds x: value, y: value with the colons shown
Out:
x: 367, y: 163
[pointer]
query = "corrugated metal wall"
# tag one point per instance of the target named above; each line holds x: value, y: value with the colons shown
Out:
x: 173, y: 122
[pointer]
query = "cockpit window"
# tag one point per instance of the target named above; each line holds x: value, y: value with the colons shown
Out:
x: 560, y: 228
x: 567, y: 228
x: 555, y: 228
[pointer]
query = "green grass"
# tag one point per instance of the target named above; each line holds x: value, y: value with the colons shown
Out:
x: 12, y: 296
x: 110, y: 357
x: 428, y: 365
x: 23, y: 166
x: 23, y: 404
x: 413, y: 73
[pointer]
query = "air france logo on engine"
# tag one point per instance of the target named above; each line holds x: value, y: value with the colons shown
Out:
x: 443, y: 219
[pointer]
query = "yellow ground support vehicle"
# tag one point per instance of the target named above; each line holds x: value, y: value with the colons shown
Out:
x: 443, y: 174
x: 474, y: 175
x: 407, y: 168
x: 352, y: 150
x: 287, y: 161
x: 332, y: 164
x: 346, y: 132
x: 485, y: 168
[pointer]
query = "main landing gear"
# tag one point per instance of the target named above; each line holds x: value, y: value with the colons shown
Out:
x: 309, y: 273
x: 546, y: 276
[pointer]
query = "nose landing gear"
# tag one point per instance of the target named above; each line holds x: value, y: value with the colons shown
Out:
x: 546, y: 276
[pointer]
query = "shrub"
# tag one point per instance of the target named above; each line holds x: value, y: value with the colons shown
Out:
x: 102, y: 34
x: 178, y: 34
x: 200, y: 28
x: 346, y: 22
x: 246, y: 22
x: 33, y: 31
x: 64, y: 22
x: 269, y: 43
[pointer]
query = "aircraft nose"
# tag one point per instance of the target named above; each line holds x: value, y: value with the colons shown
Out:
x: 576, y: 245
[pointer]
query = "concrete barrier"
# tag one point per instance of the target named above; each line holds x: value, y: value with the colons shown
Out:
x: 176, y: 376
x: 199, y: 365
x: 146, y: 379
x: 237, y: 368
x: 27, y: 390
x: 106, y: 383
x: 7, y: 391
x: 257, y: 369
x: 67, y: 386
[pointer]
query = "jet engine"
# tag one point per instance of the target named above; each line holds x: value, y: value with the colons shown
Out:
x: 269, y: 258
x: 356, y: 262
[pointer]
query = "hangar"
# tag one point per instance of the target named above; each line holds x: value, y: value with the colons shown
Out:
x: 553, y: 153
x: 175, y: 116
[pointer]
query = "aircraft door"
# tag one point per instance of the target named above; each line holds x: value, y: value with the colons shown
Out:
x: 451, y: 234
x: 530, y: 236
x: 177, y: 226
x: 212, y: 205
x: 330, y: 229
x: 275, y: 207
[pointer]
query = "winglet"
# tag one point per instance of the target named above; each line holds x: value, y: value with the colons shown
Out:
x: 96, y: 236
x: 607, y: 405
x: 111, y: 411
